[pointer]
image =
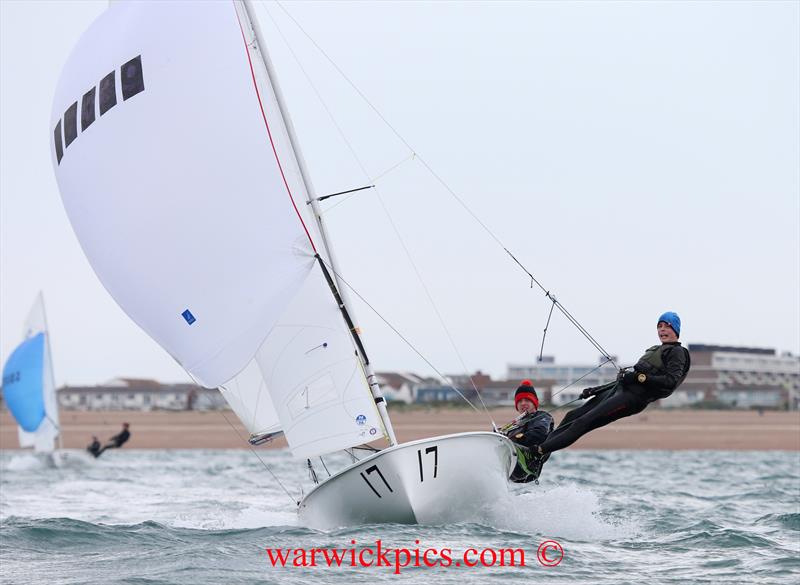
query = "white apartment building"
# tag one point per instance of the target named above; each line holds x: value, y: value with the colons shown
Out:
x: 743, y: 377
x: 567, y: 380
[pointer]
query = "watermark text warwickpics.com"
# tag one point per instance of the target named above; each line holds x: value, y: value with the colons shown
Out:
x: 549, y: 554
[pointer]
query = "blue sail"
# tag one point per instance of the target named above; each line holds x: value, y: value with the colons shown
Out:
x: 22, y: 383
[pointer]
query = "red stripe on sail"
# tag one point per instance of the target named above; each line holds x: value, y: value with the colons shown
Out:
x: 269, y: 133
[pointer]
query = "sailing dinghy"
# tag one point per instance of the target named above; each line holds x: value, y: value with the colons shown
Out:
x: 29, y: 389
x: 183, y: 179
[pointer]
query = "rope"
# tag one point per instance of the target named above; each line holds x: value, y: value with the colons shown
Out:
x: 275, y: 477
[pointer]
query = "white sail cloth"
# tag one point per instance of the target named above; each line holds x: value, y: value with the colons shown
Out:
x: 43, y: 439
x: 176, y: 172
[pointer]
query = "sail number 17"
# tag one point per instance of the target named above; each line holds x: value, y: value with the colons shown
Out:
x: 428, y: 453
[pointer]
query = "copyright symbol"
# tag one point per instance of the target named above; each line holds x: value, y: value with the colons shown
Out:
x: 550, y: 553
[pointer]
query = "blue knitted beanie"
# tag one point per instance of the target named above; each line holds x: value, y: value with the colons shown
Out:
x: 672, y: 320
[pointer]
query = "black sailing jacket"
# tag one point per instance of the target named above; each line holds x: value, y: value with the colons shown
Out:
x: 665, y: 366
x: 121, y: 438
x: 530, y: 429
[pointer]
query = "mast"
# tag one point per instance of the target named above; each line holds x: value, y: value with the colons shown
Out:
x: 246, y: 10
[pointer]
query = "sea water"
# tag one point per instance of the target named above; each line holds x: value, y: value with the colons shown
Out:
x: 191, y: 517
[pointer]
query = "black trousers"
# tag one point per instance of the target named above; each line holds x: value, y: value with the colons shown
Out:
x: 603, y: 408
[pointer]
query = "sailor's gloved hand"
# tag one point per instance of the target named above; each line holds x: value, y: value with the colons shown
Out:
x: 589, y: 392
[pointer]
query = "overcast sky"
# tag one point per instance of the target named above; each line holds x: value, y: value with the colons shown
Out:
x: 636, y: 157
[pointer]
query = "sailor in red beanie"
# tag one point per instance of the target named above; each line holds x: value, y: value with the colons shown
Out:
x: 530, y: 428
x: 526, y: 394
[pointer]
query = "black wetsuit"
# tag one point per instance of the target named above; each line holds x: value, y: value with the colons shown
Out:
x: 115, y: 442
x: 94, y: 447
x: 527, y: 431
x: 121, y: 438
x: 664, y: 366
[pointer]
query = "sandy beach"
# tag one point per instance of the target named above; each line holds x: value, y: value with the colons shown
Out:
x: 654, y: 429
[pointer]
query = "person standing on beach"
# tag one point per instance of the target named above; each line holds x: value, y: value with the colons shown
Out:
x: 117, y: 440
x: 530, y: 428
x: 656, y: 375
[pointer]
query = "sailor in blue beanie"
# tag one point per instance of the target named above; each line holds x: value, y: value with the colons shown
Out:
x: 672, y: 320
x: 656, y: 375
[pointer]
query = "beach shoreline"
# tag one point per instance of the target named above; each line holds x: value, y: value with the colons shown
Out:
x: 652, y: 429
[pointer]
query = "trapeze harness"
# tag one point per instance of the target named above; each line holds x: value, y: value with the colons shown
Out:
x: 615, y: 400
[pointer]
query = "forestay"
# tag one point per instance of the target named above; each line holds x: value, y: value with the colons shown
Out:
x: 177, y: 174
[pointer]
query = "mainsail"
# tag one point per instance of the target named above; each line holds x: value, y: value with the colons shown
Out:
x: 29, y: 386
x: 179, y: 178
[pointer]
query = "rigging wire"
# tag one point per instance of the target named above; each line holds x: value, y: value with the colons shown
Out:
x: 552, y: 410
x: 572, y: 384
x: 396, y: 230
x: 373, y: 180
x: 441, y: 181
x: 275, y: 477
x: 403, y: 338
x: 325, y: 467
x: 394, y: 167
x: 544, y: 335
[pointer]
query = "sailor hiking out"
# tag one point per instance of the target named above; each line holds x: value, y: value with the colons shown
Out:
x: 114, y: 442
x: 656, y: 375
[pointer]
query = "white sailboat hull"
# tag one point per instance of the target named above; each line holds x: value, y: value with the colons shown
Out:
x: 436, y: 480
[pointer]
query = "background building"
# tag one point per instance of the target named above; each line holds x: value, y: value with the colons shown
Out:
x: 740, y: 377
x: 399, y: 386
x: 721, y: 376
x: 492, y: 392
x: 566, y: 380
x: 140, y: 394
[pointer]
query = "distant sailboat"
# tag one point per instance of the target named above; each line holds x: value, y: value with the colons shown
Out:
x: 182, y: 177
x: 29, y: 389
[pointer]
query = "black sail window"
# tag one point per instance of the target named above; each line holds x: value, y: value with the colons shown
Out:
x: 132, y: 78
x: 57, y: 141
x: 108, y: 93
x: 71, y: 124
x: 87, y: 109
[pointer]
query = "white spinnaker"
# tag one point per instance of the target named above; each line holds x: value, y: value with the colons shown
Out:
x: 43, y: 439
x: 179, y: 196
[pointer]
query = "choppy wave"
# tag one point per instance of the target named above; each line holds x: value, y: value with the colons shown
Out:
x: 195, y: 517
